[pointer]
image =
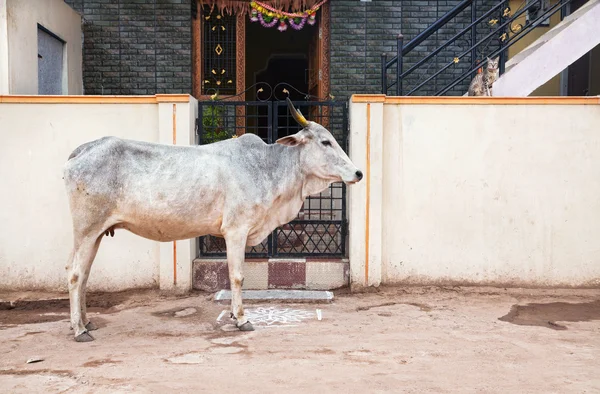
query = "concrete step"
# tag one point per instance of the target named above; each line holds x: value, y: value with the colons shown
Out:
x: 312, y: 296
x: 288, y: 273
x: 550, y: 54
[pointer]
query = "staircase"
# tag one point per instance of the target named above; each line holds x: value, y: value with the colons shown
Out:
x: 553, y: 52
x: 448, y: 68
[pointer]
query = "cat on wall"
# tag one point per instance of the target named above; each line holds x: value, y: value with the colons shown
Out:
x: 481, y: 85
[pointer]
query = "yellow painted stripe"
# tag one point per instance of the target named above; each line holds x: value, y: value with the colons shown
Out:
x: 172, y: 98
x: 175, y: 242
x: 35, y: 99
x: 368, y: 197
x: 466, y: 100
x: 174, y: 124
x: 174, y: 263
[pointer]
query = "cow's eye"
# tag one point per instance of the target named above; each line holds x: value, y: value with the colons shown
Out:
x: 326, y: 143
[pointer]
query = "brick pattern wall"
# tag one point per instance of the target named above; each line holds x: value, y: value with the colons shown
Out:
x: 145, y: 46
x: 136, y: 46
x: 362, y: 31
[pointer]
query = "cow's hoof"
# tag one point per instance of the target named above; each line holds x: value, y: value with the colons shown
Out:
x: 84, y: 337
x: 246, y: 327
x: 91, y: 326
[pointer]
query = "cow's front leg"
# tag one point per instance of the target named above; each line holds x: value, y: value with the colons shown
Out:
x: 236, y: 246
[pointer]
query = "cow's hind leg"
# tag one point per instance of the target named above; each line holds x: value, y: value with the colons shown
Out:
x: 236, y: 245
x: 88, y: 324
x: 83, y: 256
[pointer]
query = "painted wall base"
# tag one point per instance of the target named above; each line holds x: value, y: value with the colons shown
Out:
x: 213, y: 274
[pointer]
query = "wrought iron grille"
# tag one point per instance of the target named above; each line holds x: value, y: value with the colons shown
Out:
x: 320, y: 229
x: 219, y: 53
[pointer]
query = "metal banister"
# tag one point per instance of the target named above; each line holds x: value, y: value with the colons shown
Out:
x: 451, y: 40
x: 425, y: 34
x: 502, y: 25
x: 513, y: 40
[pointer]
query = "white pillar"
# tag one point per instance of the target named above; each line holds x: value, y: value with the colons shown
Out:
x: 176, y: 126
x: 4, y: 72
x: 365, y: 197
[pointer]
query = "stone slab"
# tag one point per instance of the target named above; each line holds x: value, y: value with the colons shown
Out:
x: 326, y: 275
x: 256, y: 275
x: 278, y: 295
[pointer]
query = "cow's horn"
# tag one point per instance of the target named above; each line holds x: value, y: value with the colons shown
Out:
x: 296, y: 114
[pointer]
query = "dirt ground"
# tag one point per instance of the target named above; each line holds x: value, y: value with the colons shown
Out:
x: 417, y: 339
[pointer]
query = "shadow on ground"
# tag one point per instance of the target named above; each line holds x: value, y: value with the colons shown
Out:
x: 50, y: 310
x: 546, y: 315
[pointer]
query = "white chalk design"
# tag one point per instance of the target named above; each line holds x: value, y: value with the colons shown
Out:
x: 272, y: 316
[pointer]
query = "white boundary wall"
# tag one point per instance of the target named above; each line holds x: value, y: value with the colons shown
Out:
x: 458, y: 190
x: 38, y: 134
x: 495, y: 191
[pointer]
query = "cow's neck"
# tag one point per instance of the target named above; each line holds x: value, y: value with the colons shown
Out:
x: 297, y: 181
x: 313, y: 185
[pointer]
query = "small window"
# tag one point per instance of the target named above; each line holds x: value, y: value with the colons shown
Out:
x: 50, y: 62
x: 219, y: 52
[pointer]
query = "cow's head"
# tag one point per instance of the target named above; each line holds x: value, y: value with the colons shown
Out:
x: 322, y: 155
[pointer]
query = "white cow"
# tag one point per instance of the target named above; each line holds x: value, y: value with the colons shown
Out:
x: 240, y: 189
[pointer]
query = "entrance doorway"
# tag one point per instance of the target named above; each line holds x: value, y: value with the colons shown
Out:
x: 285, y: 71
x: 279, y: 64
x: 320, y: 229
x: 277, y: 58
x: 231, y: 53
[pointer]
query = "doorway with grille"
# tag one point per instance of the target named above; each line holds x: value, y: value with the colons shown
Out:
x: 320, y: 228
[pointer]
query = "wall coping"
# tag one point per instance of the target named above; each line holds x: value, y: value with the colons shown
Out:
x: 81, y: 99
x: 466, y: 100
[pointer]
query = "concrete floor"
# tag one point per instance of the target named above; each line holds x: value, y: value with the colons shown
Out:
x: 417, y: 339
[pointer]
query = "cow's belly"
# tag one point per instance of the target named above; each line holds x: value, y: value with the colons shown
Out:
x: 165, y: 232
x: 169, y: 223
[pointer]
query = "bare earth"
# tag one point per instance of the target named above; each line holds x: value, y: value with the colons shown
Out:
x: 416, y: 339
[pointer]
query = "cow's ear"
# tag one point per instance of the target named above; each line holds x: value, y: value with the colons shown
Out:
x: 292, y: 140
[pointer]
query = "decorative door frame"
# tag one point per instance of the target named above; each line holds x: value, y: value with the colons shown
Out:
x: 197, y: 48
x: 324, y: 54
x: 324, y: 51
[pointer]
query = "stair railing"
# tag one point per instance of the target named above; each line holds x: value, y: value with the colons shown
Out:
x: 504, y: 24
x: 508, y: 41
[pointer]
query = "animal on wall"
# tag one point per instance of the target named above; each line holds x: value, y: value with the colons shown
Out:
x: 168, y: 193
x: 481, y: 85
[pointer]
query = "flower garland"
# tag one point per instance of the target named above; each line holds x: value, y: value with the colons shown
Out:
x: 269, y: 16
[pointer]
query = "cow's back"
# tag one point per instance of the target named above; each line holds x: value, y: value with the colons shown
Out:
x: 181, y: 190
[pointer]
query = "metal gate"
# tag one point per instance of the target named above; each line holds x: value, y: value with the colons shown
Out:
x: 320, y: 229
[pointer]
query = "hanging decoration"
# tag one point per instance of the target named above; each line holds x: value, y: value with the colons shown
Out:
x: 269, y: 16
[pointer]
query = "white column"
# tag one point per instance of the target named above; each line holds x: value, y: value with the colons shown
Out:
x: 176, y: 126
x: 4, y: 72
x: 365, y: 197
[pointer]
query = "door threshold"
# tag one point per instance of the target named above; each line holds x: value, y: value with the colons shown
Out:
x: 266, y: 274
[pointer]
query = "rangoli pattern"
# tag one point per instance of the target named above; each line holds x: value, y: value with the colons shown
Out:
x: 278, y: 316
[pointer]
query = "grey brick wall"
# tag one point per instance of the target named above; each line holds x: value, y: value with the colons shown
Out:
x: 362, y: 31
x: 136, y: 46
x: 145, y: 46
